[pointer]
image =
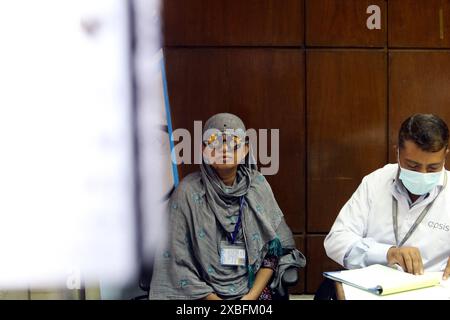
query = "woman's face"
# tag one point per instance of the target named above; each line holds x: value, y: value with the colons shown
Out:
x: 226, y: 155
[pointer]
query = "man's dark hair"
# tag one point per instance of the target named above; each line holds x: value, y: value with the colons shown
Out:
x: 427, y: 131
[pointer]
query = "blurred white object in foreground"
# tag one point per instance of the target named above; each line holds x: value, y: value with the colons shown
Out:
x: 66, y: 160
x: 157, y: 173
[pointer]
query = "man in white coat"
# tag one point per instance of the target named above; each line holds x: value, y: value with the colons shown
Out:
x: 400, y: 214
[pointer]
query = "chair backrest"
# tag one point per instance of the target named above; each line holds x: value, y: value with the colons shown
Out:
x: 145, y: 278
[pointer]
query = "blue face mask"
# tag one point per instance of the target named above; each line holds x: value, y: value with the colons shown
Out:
x: 419, y: 183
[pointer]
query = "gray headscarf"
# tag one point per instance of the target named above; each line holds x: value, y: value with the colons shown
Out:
x: 202, y: 211
x: 221, y: 196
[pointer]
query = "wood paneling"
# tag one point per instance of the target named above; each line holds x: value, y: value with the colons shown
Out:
x: 419, y: 82
x: 317, y: 262
x: 343, y: 23
x: 347, y: 116
x: 263, y: 87
x: 415, y: 23
x: 346, y: 128
x: 233, y: 22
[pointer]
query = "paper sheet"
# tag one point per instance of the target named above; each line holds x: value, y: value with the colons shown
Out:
x: 440, y: 292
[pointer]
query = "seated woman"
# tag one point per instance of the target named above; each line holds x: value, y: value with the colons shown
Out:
x: 227, y: 232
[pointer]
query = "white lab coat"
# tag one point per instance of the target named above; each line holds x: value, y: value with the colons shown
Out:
x: 363, y: 231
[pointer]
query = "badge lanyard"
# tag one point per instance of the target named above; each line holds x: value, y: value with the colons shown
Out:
x: 418, y: 220
x: 232, y: 236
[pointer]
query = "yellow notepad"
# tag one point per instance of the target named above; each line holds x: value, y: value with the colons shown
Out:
x: 383, y: 280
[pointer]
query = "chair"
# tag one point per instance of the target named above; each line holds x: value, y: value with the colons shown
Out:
x: 144, y: 283
x: 289, y: 279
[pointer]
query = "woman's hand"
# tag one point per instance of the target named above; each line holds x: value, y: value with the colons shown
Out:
x: 249, y: 296
x: 263, y: 277
x: 212, y: 296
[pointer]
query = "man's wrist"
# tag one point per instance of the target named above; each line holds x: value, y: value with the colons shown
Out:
x: 378, y: 253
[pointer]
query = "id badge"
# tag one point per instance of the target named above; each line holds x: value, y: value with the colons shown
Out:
x: 232, y: 254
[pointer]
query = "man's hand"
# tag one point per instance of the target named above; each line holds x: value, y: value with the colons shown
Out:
x: 408, y: 258
x: 447, y: 270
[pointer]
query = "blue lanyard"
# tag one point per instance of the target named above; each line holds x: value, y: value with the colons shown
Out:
x: 418, y: 220
x: 232, y: 237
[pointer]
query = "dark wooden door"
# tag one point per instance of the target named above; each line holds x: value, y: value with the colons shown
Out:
x: 341, y: 23
x: 419, y: 82
x: 233, y: 22
x: 415, y: 23
x: 263, y: 87
x: 346, y: 128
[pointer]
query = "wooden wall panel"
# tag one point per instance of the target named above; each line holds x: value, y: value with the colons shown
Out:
x: 419, y: 82
x: 346, y: 128
x: 317, y: 262
x: 350, y: 127
x: 343, y: 23
x: 233, y: 22
x: 265, y: 88
x: 415, y: 23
